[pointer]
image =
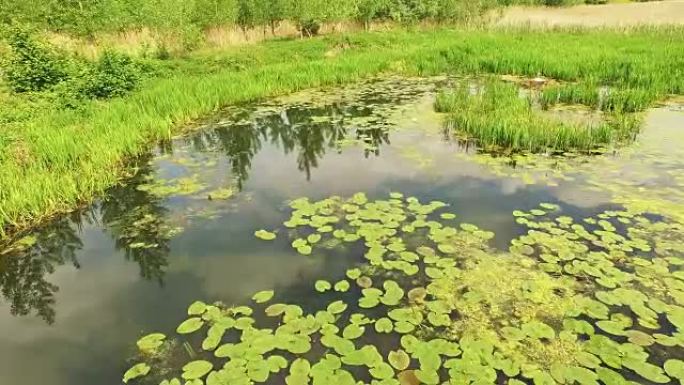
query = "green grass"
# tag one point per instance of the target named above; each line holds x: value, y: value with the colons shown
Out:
x: 499, y: 119
x: 617, y: 98
x: 53, y: 159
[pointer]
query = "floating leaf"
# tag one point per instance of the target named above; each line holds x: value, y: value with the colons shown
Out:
x: 408, y: 377
x: 337, y: 307
x: 384, y: 325
x: 353, y: 273
x: 190, y: 325
x: 313, y: 238
x: 151, y: 342
x: 196, y: 369
x: 675, y: 369
x: 417, y: 294
x: 364, y: 282
x: 275, y: 309
x: 342, y: 286
x: 197, y: 308
x: 275, y: 363
x: 322, y: 286
x: 136, y: 371
x: 382, y: 371
x: 399, y: 359
x: 304, y: 250
x: 639, y: 338
x: 265, y: 235
x: 430, y: 377
x: 263, y: 296
x: 353, y: 331
x: 536, y: 329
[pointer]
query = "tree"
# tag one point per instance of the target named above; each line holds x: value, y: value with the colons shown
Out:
x: 368, y: 10
x: 214, y: 13
x: 247, y: 14
x: 274, y: 12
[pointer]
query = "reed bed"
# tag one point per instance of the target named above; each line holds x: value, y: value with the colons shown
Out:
x: 501, y: 120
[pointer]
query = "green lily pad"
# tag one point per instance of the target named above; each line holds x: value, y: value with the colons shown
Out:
x: 190, y: 325
x: 353, y: 273
x: 337, y: 307
x: 265, y: 235
x: 384, y: 325
x: 263, y: 296
x: 639, y: 338
x: 304, y: 250
x: 342, y: 286
x: 429, y: 377
x: 136, y: 371
x: 196, y: 369
x: 675, y: 369
x: 536, y: 329
x: 313, y: 238
x: 151, y: 342
x: 276, y: 363
x: 197, y: 308
x: 399, y: 359
x: 382, y: 371
x: 353, y: 331
x: 322, y: 286
x: 275, y: 309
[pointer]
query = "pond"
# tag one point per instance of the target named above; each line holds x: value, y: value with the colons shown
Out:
x: 78, y: 292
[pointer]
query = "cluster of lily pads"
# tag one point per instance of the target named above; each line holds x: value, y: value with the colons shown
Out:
x: 599, y: 300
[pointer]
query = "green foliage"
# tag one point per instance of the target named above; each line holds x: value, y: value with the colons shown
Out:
x: 114, y: 74
x: 86, y: 18
x: 33, y: 66
x: 499, y: 119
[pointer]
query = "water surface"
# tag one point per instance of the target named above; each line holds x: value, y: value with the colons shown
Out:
x: 91, y: 283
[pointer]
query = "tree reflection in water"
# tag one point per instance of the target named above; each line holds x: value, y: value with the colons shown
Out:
x: 138, y: 220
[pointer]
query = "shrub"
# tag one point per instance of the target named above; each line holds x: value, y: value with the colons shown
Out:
x: 114, y: 74
x: 33, y: 66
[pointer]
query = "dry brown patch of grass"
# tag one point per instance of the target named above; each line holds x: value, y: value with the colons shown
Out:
x: 613, y: 15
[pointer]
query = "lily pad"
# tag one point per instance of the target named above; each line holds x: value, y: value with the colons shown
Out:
x: 263, y: 296
x: 196, y: 369
x: 353, y: 331
x: 322, y: 286
x: 197, y: 308
x: 136, y: 371
x: 265, y: 235
x: 399, y: 359
x: 190, y: 325
x: 151, y: 342
x: 337, y: 307
x: 384, y: 325
x: 342, y: 286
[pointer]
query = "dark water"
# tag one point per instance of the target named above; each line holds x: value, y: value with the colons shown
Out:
x: 74, y: 302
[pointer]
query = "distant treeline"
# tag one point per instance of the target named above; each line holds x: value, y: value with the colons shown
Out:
x: 86, y: 17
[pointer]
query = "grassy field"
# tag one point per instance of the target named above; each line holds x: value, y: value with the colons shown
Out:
x: 615, y: 14
x: 54, y: 158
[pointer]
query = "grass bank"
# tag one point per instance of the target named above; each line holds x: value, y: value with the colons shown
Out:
x: 53, y: 158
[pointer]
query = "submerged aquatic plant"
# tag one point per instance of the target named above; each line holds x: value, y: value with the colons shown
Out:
x: 572, y: 301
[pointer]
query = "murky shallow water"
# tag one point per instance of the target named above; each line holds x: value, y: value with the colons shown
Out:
x: 74, y: 302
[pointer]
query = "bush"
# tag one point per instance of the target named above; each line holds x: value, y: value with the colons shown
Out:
x: 33, y: 66
x: 114, y: 74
